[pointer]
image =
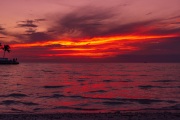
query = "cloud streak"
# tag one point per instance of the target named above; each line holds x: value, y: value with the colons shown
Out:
x: 94, y: 22
x: 2, y: 30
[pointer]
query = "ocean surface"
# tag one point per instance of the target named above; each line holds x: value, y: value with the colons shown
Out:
x: 89, y: 87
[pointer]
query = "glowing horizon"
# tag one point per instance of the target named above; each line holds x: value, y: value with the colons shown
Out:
x: 93, y: 47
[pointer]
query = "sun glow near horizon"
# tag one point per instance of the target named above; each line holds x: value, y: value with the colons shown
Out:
x: 93, y: 47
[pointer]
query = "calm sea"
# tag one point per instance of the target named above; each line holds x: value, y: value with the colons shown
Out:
x: 89, y: 87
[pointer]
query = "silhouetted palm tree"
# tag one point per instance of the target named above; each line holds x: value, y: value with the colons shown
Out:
x: 6, y: 48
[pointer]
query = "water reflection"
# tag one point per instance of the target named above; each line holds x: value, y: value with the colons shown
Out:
x: 34, y: 87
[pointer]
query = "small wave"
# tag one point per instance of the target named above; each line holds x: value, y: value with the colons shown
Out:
x: 17, y: 110
x: 125, y: 100
x: 13, y: 102
x: 81, y: 80
x: 174, y: 107
x: 62, y: 107
x: 98, y: 91
x: 53, y: 96
x: 150, y: 87
x: 166, y: 81
x: 87, y: 109
x: 76, y: 108
x: 28, y: 77
x: 150, y: 101
x: 5, y: 75
x: 15, y: 95
x: 29, y: 103
x: 59, y: 96
x: 83, y: 104
x: 143, y: 75
x: 113, y: 103
x: 74, y: 73
x: 140, y: 101
x: 108, y: 80
x: 94, y: 75
x: 53, y: 86
x: 127, y: 80
x: 9, y: 102
x: 47, y: 71
x: 145, y: 101
x: 76, y: 96
x: 124, y: 75
x: 38, y: 109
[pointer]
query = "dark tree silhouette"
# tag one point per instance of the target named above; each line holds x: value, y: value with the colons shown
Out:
x: 6, y: 48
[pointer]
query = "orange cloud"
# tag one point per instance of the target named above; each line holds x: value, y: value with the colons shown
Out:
x: 92, y: 47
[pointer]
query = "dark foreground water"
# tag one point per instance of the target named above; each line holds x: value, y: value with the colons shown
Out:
x: 51, y: 88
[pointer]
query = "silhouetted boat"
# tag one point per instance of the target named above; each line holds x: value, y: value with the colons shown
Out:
x: 6, y: 61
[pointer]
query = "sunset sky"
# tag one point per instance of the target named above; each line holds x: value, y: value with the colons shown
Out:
x: 91, y: 30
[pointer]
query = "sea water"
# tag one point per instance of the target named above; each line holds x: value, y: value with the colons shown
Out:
x: 89, y: 87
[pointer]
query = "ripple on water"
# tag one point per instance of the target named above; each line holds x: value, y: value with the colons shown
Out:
x: 98, y: 91
x: 108, y: 81
x: 174, y: 107
x: 15, y: 95
x: 53, y: 96
x: 51, y: 87
x: 113, y: 103
x: 76, y: 108
x: 14, y: 102
x: 166, y: 81
x: 145, y: 87
x: 47, y: 71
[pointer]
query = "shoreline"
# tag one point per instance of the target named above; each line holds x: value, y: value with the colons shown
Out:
x: 93, y: 116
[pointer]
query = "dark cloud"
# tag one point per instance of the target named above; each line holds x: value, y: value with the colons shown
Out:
x: 2, y: 31
x: 174, y: 17
x: 2, y: 37
x: 27, y: 23
x: 30, y: 23
x: 94, y: 22
x: 88, y: 22
x: 129, y: 28
x: 176, y: 23
x: 40, y: 20
x: 163, y: 46
x: 171, y: 45
x: 38, y: 36
x: 149, y: 13
x: 1, y: 28
x: 30, y: 26
x: 30, y: 31
x: 31, y: 34
x: 164, y: 31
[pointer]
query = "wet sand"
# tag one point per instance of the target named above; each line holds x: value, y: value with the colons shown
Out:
x: 95, y: 116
